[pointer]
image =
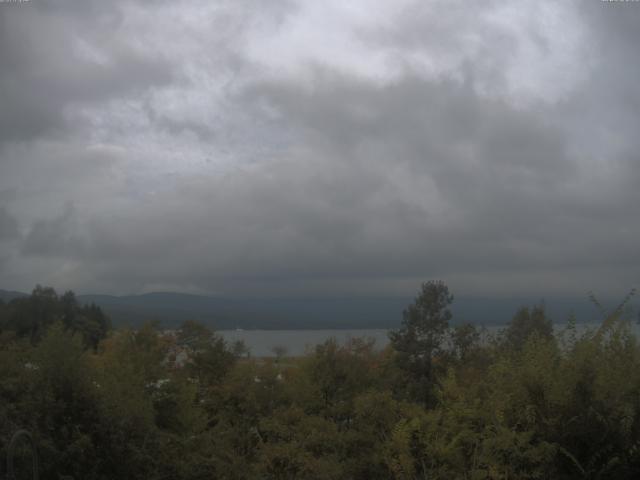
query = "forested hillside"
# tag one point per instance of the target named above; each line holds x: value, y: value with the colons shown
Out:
x: 170, y: 309
x: 440, y: 402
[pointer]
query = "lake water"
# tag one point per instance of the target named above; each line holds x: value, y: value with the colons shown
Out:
x: 298, y: 342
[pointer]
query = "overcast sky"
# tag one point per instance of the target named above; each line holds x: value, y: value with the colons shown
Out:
x: 320, y: 148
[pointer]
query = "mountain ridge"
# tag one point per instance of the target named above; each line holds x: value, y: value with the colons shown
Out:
x: 223, y: 313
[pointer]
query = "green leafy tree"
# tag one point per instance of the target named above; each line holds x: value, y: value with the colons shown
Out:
x: 210, y: 358
x: 64, y: 402
x: 464, y: 339
x: 297, y: 445
x: 31, y: 316
x: 88, y: 320
x: 525, y: 323
x: 338, y: 373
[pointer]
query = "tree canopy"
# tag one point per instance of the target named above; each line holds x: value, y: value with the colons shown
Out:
x: 526, y: 404
x: 420, y: 338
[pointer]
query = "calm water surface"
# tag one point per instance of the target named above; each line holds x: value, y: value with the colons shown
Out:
x: 298, y: 342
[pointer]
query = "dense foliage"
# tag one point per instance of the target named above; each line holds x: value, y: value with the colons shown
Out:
x: 438, y: 403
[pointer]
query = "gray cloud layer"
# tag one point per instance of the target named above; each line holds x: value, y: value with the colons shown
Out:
x: 294, y: 148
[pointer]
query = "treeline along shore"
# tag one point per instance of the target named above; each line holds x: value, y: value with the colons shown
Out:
x: 438, y: 402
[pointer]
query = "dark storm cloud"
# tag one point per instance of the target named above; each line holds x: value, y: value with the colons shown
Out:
x: 612, y: 92
x: 205, y: 163
x: 8, y: 225
x: 47, y: 65
x: 55, y: 237
x: 385, y: 182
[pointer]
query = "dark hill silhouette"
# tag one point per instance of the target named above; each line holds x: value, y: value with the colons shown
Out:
x: 8, y: 295
x: 172, y: 308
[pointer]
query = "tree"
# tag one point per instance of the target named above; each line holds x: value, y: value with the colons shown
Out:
x: 525, y: 323
x: 209, y: 355
x: 88, y: 320
x: 240, y: 349
x: 280, y: 351
x: 464, y: 338
x: 338, y: 372
x: 31, y: 316
x: 420, y: 337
